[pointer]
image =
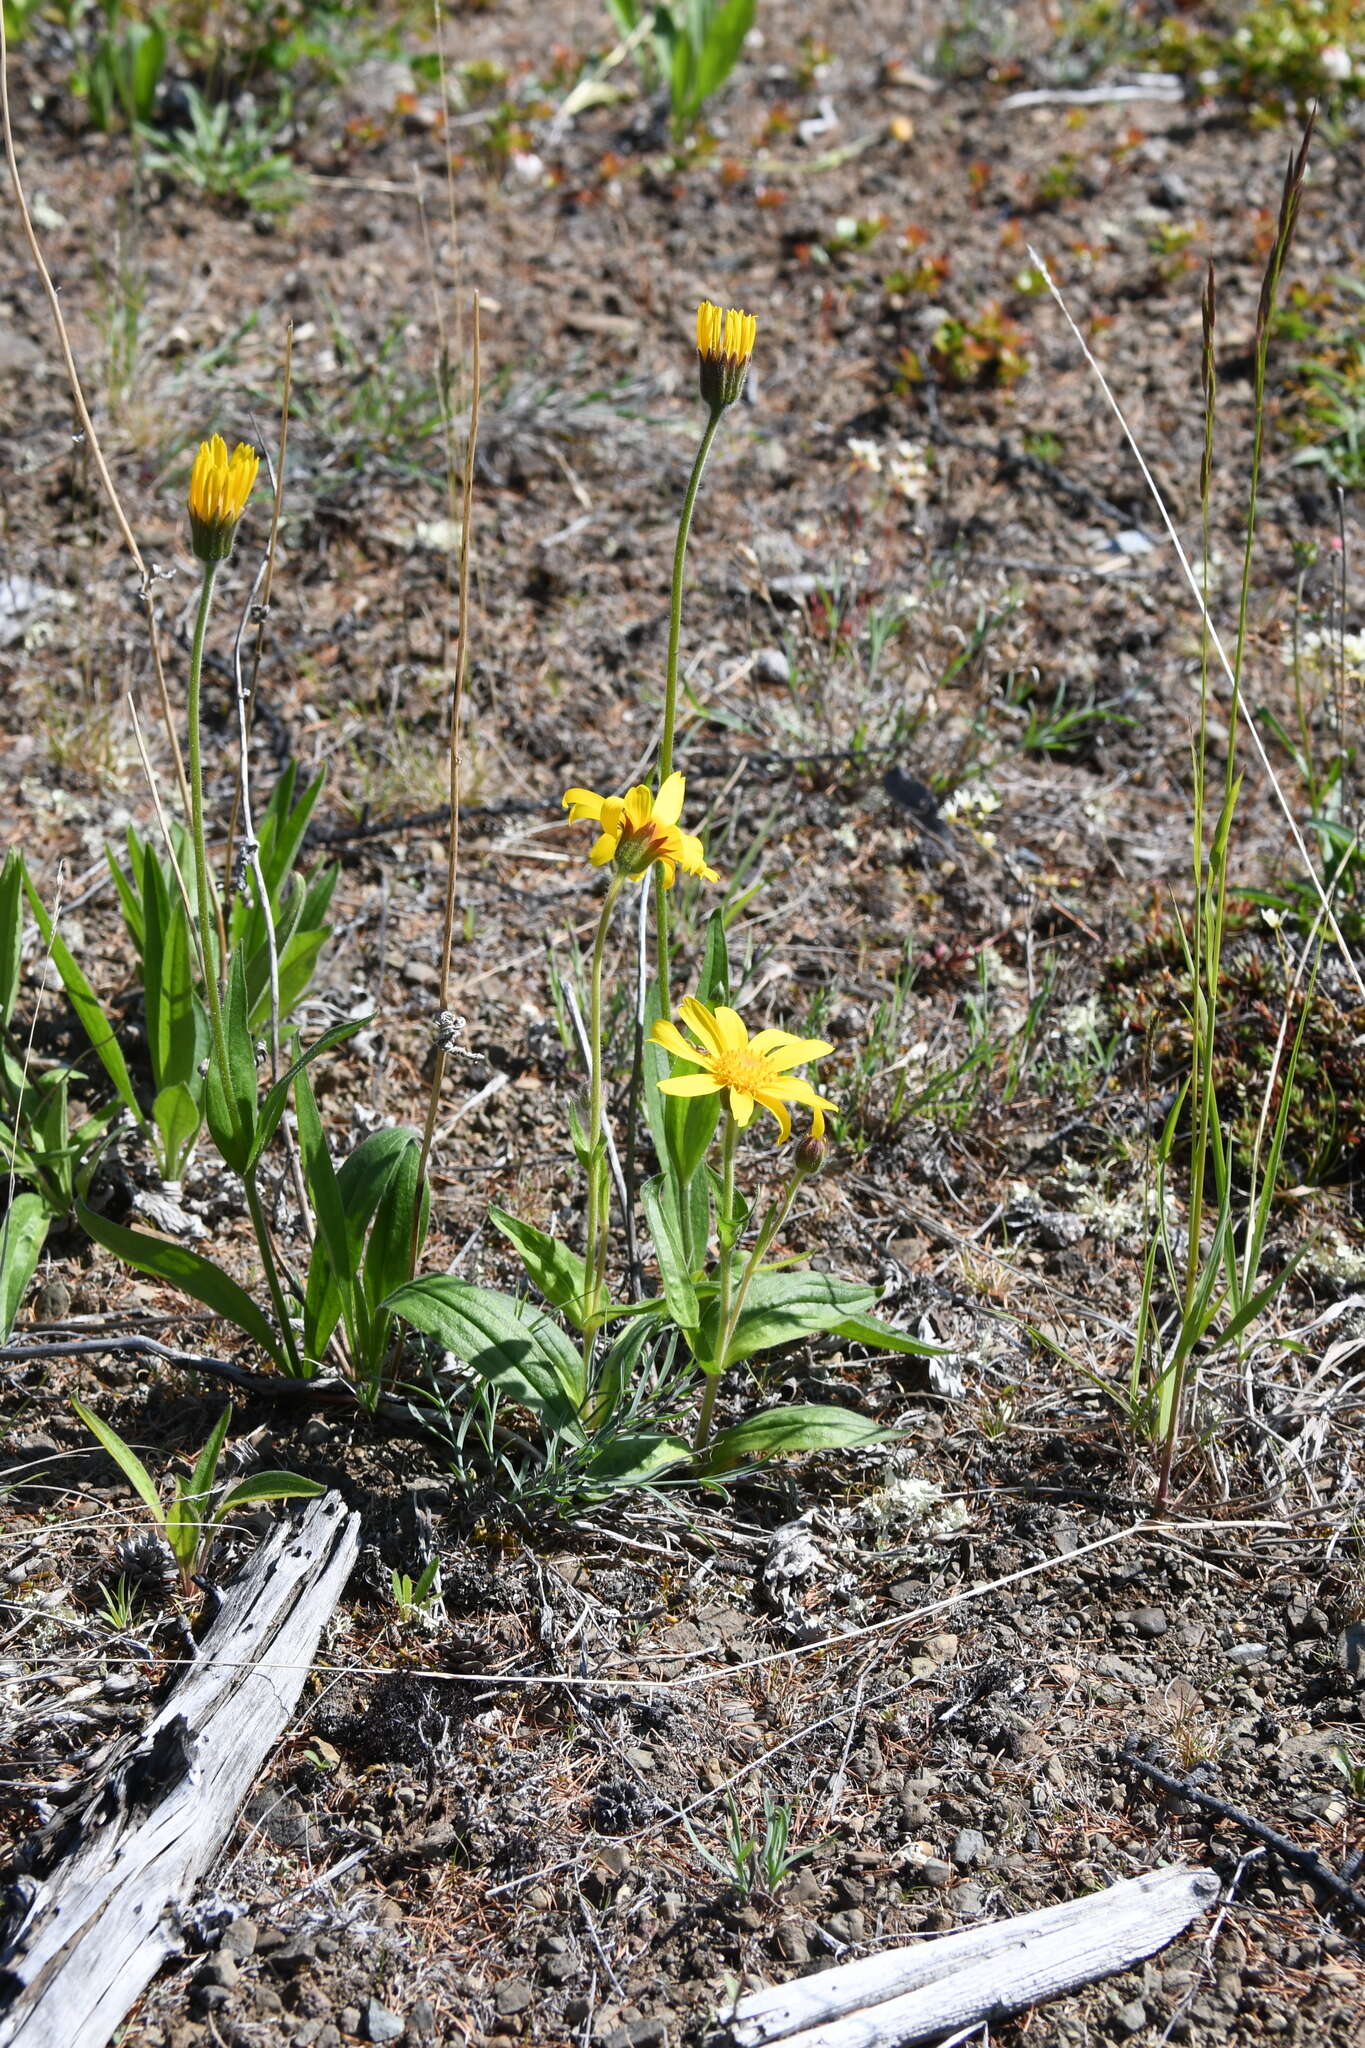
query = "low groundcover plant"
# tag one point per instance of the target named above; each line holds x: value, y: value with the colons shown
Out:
x: 609, y: 1377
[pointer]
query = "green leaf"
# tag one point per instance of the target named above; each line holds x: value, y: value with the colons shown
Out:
x: 880, y: 1336
x: 636, y: 1460
x: 266, y: 1486
x: 178, y: 1119
x: 780, y: 1430
x: 334, y: 1241
x: 87, y: 1006
x: 551, y: 1266
x: 201, y: 1479
x: 23, y: 1233
x: 185, y: 1270
x: 230, y: 1100
x: 389, y: 1253
x: 277, y: 1100
x: 782, y: 1308
x: 506, y: 1342
x: 11, y: 931
x: 126, y: 1458
x: 659, y: 1200
x: 720, y: 49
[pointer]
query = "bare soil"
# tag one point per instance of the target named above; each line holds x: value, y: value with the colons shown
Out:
x: 932, y: 1653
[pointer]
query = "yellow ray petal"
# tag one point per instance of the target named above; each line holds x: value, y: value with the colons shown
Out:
x: 669, y: 802
x: 699, y: 1020
x: 690, y: 1084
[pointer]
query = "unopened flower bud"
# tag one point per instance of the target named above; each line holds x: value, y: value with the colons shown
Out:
x: 725, y: 342
x: 811, y: 1154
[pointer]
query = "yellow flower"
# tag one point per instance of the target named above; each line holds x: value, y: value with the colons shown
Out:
x: 753, y: 1071
x: 725, y: 342
x: 639, y: 829
x: 220, y: 485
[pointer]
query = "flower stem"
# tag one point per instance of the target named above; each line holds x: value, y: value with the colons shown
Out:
x: 671, y: 686
x: 595, y: 1245
x: 778, y: 1210
x: 726, y: 1233
x: 211, y: 959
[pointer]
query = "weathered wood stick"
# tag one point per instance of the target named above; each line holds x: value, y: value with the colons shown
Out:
x: 908, y: 1994
x: 96, y: 1927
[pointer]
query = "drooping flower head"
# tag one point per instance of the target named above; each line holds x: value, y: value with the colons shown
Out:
x: 753, y: 1072
x: 220, y: 485
x: 725, y: 342
x: 639, y: 829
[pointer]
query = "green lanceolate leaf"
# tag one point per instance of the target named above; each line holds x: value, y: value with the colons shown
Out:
x: 658, y: 1198
x: 23, y: 1233
x: 177, y: 1117
x: 187, y: 1271
x: 206, y: 1466
x: 780, y: 1430
x: 880, y: 1336
x: 636, y: 1460
x: 11, y: 931
x: 507, y: 1342
x: 126, y: 1458
x: 782, y: 1308
x: 86, y: 1004
x: 552, y: 1267
x: 277, y: 1100
x: 389, y: 1253
x: 266, y: 1486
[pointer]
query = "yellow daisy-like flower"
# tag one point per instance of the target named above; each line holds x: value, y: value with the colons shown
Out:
x: 754, y: 1072
x: 639, y: 829
x: 220, y: 485
x: 725, y: 342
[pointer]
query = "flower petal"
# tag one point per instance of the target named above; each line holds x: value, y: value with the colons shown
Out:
x: 690, y: 1084
x: 730, y: 1029
x: 671, y: 1039
x: 701, y: 1023
x: 669, y: 802
x: 742, y: 1107
x: 582, y: 803
x: 790, y: 1052
x: 639, y: 807
x: 604, y: 850
x: 613, y: 809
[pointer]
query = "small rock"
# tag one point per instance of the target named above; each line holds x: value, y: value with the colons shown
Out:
x: 1150, y: 1622
x: 381, y: 2024
x: 422, y: 2020
x: 239, y: 1938
x: 850, y: 1927
x: 790, y: 1942
x: 349, y: 2018
x: 513, y: 1998
x: 266, y: 2001
x: 936, y: 1872
x: 1351, y: 1651
x: 771, y: 666
x: 969, y: 1901
x: 1131, y: 2018
x: 221, y: 1970
x: 969, y: 1849
x: 793, y: 590
x: 1247, y: 1653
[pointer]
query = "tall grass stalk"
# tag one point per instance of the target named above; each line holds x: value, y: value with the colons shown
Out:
x: 1215, y: 1291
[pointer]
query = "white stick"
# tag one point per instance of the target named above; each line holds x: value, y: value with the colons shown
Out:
x: 908, y: 1994
x: 99, y: 1925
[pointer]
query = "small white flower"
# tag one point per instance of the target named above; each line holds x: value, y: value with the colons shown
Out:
x: 1335, y: 63
x: 866, y: 455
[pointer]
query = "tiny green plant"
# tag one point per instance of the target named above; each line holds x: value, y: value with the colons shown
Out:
x: 191, y: 1519
x: 417, y: 1599
x: 690, y: 47
x: 119, y: 1605
x: 120, y: 77
x: 754, y: 1862
x: 1351, y: 1768
x: 225, y: 155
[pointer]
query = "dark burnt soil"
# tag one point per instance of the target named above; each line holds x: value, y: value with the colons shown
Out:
x: 942, y: 675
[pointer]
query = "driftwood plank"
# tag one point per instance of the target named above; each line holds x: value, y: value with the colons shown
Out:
x: 97, y: 1925
x: 909, y: 1994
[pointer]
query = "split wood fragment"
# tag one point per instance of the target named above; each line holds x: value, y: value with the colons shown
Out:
x: 97, y: 1926
x: 911, y: 1994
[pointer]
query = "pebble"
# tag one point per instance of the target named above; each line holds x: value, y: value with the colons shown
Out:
x: 239, y: 1938
x: 1132, y: 2018
x: 771, y: 666
x: 221, y: 1970
x: 513, y: 1998
x: 850, y: 1927
x: 936, y: 1872
x: 1150, y: 1622
x: 969, y: 1849
x: 1247, y: 1653
x: 1351, y: 1651
x: 381, y: 2024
